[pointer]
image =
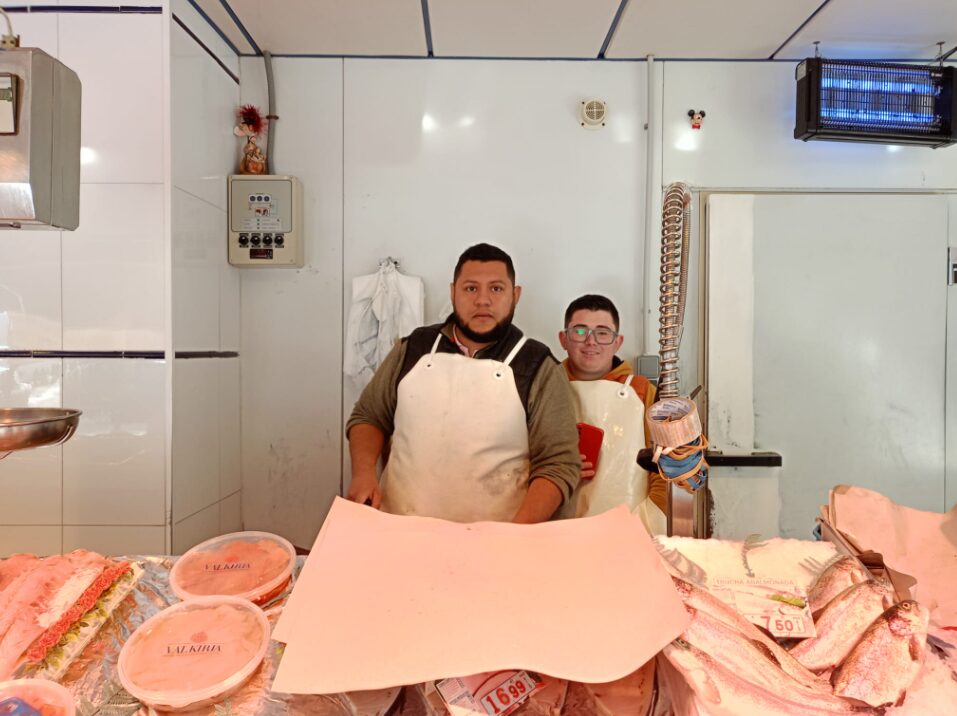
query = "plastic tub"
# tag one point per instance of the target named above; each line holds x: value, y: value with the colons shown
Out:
x: 194, y: 653
x: 252, y: 565
x: 26, y: 696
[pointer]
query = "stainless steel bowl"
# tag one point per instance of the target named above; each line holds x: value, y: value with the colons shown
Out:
x: 22, y: 428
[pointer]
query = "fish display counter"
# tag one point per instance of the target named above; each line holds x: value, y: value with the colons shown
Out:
x: 776, y: 627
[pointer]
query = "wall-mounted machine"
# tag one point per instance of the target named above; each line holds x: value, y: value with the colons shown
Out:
x: 265, y: 221
x: 39, y: 141
x: 876, y: 102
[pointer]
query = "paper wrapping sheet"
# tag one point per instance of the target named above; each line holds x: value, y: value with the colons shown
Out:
x: 385, y: 600
x: 920, y: 544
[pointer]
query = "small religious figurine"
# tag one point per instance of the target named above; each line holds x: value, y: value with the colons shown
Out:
x: 251, y: 125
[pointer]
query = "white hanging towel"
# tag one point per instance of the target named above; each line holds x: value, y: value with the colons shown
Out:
x: 386, y: 305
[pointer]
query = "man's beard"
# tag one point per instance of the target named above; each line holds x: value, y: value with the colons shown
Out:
x: 491, y: 336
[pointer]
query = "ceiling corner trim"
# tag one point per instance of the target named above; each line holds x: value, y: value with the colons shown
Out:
x: 611, y: 29
x: 216, y: 28
x: 427, y: 24
x: 799, y: 28
x: 241, y: 26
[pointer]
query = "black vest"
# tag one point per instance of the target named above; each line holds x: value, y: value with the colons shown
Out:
x: 524, y: 366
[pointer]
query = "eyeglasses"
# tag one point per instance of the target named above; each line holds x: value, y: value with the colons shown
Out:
x: 579, y: 334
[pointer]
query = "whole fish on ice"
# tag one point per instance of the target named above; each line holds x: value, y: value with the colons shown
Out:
x: 844, y: 573
x: 841, y: 624
x: 887, y: 658
x: 702, y: 600
x: 726, y: 693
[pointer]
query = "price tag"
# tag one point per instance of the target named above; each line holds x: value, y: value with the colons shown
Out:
x: 489, y: 694
x: 778, y: 605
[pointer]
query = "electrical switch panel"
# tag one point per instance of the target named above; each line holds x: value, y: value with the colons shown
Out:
x: 265, y: 221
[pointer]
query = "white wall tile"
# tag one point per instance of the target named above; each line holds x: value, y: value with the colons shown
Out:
x: 196, y: 528
x: 195, y: 436
x: 230, y: 514
x: 41, y: 541
x: 230, y: 472
x: 116, y: 541
x: 31, y: 479
x: 30, y: 290
x: 229, y: 305
x: 199, y: 252
x: 114, y: 468
x: 113, y: 270
x: 119, y: 59
x: 204, y: 103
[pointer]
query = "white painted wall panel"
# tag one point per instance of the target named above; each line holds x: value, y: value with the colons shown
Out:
x: 442, y: 155
x: 292, y: 319
x: 746, y: 140
x: 730, y: 314
x: 849, y: 347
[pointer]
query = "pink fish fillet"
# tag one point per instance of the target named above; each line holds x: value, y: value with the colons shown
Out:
x: 30, y: 604
x: 15, y: 565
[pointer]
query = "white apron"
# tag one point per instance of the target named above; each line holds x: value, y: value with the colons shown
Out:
x: 460, y: 445
x: 618, y: 410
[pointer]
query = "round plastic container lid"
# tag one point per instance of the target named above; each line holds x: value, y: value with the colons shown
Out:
x: 251, y: 565
x: 194, y: 652
x: 46, y: 697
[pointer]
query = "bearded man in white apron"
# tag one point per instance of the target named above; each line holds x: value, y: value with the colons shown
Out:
x: 612, y: 398
x: 481, y: 418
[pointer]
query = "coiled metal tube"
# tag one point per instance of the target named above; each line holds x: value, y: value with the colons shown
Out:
x: 675, y: 242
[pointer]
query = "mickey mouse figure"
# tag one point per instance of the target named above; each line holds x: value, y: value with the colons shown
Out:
x: 696, y: 116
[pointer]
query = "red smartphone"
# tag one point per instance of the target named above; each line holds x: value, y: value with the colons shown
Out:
x: 589, y: 442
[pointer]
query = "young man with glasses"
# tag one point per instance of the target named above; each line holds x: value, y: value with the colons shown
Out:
x: 612, y: 398
x: 481, y: 419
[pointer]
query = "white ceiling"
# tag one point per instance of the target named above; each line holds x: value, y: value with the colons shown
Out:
x: 582, y: 29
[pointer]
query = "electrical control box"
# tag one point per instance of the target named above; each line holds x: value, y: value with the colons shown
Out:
x: 265, y: 221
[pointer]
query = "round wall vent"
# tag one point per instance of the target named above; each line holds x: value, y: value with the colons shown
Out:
x: 594, y: 112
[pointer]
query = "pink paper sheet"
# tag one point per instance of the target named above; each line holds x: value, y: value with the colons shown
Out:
x: 920, y: 544
x: 385, y: 600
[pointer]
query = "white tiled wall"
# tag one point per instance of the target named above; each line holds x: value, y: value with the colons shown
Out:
x: 114, y: 268
x: 114, y: 466
x: 127, y: 280
x: 30, y: 303
x: 206, y: 290
x: 32, y: 480
x: 120, y: 60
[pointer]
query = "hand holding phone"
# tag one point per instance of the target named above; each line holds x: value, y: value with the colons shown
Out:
x: 589, y: 444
